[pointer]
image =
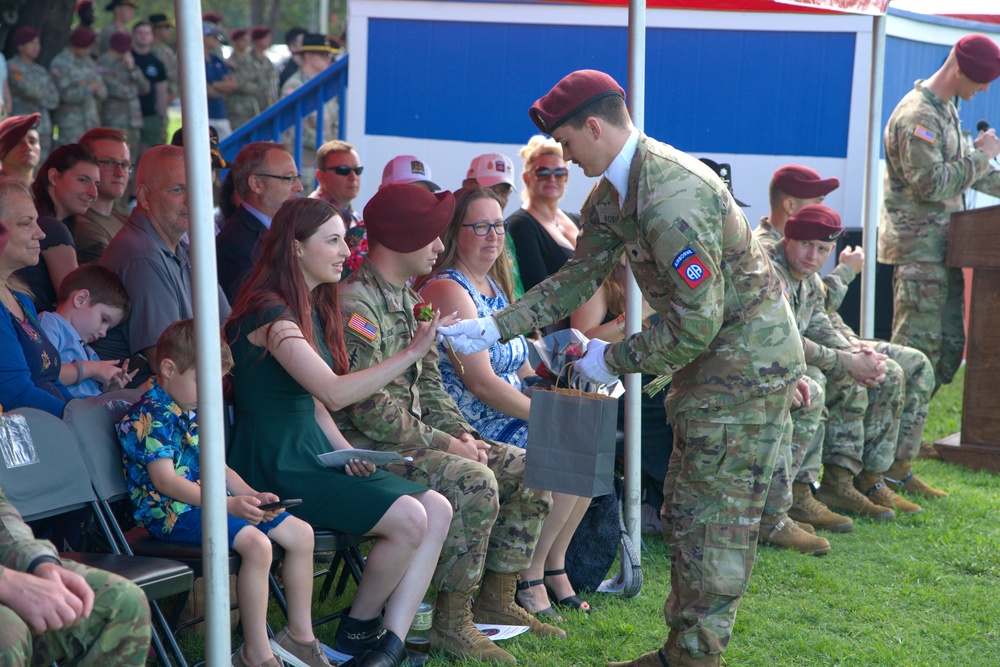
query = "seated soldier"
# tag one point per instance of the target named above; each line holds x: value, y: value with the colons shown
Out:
x: 854, y: 461
x: 496, y: 519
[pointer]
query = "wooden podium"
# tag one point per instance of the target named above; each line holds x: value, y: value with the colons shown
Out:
x: 974, y: 242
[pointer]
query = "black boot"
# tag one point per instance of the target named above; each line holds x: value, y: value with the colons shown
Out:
x: 356, y: 637
x: 389, y: 652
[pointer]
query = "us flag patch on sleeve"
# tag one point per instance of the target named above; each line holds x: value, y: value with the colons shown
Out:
x: 922, y: 132
x: 363, y: 326
x: 691, y: 268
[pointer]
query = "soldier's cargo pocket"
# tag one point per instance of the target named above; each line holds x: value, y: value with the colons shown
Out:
x: 725, y: 568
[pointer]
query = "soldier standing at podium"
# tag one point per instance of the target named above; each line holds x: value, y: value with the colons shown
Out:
x: 928, y: 167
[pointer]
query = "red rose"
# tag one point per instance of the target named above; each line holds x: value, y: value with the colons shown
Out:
x: 423, y: 312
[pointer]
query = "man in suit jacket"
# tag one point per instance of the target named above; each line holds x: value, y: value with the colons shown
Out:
x: 265, y: 176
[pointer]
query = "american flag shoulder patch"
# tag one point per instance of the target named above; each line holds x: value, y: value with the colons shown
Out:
x: 922, y: 132
x: 362, y: 326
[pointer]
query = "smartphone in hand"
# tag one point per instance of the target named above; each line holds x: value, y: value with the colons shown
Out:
x: 281, y: 504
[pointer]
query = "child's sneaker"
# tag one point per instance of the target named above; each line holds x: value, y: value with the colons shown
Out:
x: 238, y: 660
x: 296, y: 653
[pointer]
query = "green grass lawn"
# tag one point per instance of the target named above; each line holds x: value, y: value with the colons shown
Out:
x: 921, y: 591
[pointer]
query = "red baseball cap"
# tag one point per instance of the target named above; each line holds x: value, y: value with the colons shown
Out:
x: 814, y: 222
x: 978, y: 57
x: 570, y: 95
x: 405, y: 217
x: 803, y: 182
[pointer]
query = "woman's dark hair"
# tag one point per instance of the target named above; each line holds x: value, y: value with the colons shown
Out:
x: 276, y: 279
x: 62, y: 160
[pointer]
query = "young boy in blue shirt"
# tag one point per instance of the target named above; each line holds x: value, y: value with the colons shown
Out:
x: 159, y: 436
x: 91, y: 300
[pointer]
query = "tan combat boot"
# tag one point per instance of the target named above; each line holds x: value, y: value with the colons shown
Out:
x: 454, y: 633
x: 900, y: 477
x: 805, y: 508
x: 671, y: 655
x: 785, y: 533
x: 837, y: 492
x: 872, y: 485
x: 496, y: 604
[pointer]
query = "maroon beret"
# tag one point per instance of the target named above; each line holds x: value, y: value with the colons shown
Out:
x: 212, y: 17
x: 570, y: 95
x: 238, y: 34
x: 120, y: 42
x: 814, y: 223
x: 13, y: 129
x: 978, y: 57
x: 259, y: 32
x: 404, y: 217
x: 23, y: 35
x: 82, y: 37
x: 802, y: 182
x: 4, y: 235
x: 84, y: 6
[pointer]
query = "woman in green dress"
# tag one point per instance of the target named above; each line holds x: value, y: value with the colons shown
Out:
x: 291, y: 371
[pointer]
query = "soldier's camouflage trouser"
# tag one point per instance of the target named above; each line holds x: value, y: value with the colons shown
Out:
x: 846, y: 404
x: 496, y: 518
x: 885, y: 405
x: 800, y: 454
x: 929, y: 314
x: 115, y: 635
x: 719, y: 472
x: 918, y: 387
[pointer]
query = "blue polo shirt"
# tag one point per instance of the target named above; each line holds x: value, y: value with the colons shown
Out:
x: 215, y: 70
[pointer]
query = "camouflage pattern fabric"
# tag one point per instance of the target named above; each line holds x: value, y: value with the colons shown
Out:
x: 79, y: 107
x: 168, y: 57
x: 496, y: 518
x: 928, y: 167
x: 881, y: 422
x: 331, y: 119
x: 242, y: 104
x: 121, y: 110
x: 116, y: 634
x: 805, y: 442
x: 268, y: 76
x: 33, y: 89
x: 715, y: 495
x: 727, y: 337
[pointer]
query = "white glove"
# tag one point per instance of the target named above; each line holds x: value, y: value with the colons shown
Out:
x: 592, y: 367
x: 471, y: 336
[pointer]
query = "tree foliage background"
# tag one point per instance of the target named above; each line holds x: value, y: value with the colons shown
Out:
x: 55, y: 18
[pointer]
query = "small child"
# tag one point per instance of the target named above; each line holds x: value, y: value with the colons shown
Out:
x: 159, y: 436
x: 91, y: 300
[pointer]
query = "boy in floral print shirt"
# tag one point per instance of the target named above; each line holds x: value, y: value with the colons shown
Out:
x: 159, y: 438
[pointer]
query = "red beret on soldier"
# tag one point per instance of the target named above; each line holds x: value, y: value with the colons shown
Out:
x: 13, y: 129
x: 82, y: 37
x: 814, y: 222
x: 800, y: 181
x: 404, y: 217
x: 978, y: 57
x: 259, y: 32
x: 239, y: 33
x: 120, y: 42
x: 571, y: 94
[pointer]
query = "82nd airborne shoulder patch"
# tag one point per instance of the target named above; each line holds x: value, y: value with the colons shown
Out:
x: 690, y: 267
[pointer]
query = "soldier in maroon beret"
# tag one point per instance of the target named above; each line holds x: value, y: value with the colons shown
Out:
x: 928, y: 168
x: 722, y: 316
x: 792, y: 187
x: 19, y: 147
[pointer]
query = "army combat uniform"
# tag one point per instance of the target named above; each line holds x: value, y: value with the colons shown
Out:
x: 121, y: 110
x: 928, y: 167
x: 726, y: 336
x: 79, y: 106
x: 116, y: 634
x: 243, y: 103
x: 33, y: 89
x: 168, y: 57
x: 269, y: 76
x: 497, y: 519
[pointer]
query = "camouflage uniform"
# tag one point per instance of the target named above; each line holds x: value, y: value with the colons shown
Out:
x: 243, y: 104
x: 331, y: 119
x: 79, y: 107
x: 115, y: 634
x: 497, y: 519
x: 168, y: 57
x: 928, y: 167
x: 862, y: 426
x: 121, y: 110
x: 269, y: 76
x: 33, y: 89
x: 918, y: 372
x: 728, y: 339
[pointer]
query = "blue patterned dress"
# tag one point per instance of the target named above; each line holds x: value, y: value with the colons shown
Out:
x: 505, y: 358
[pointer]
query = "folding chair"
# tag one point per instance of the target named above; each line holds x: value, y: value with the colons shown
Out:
x: 43, y: 473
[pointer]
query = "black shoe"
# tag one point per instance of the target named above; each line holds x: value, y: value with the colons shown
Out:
x: 356, y: 637
x: 389, y: 652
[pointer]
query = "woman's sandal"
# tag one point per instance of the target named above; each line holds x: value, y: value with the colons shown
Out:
x: 573, y: 601
x: 548, y: 614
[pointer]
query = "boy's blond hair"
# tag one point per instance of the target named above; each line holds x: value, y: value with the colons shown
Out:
x: 177, y: 344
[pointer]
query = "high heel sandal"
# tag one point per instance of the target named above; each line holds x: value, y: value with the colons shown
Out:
x: 572, y: 601
x: 548, y: 614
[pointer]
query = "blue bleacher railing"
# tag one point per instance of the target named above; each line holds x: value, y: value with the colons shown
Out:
x: 270, y: 124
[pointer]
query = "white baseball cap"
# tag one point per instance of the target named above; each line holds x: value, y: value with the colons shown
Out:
x: 407, y: 169
x: 492, y: 169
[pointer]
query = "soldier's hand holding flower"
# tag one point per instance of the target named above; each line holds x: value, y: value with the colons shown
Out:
x: 471, y: 336
x: 592, y: 367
